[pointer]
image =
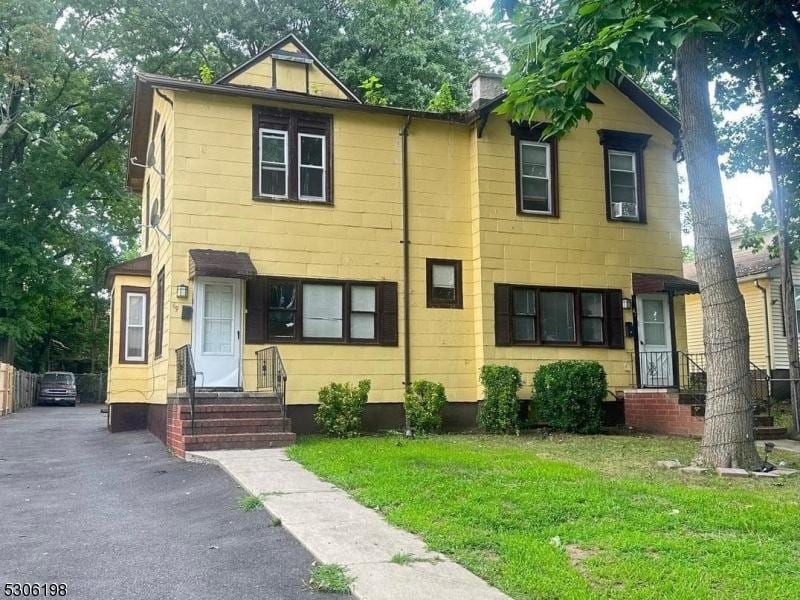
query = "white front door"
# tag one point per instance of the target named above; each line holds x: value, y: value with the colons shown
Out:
x: 216, y: 344
x: 655, y: 340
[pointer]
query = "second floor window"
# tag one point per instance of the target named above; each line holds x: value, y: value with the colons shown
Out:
x: 537, y: 170
x: 624, y: 165
x: 292, y: 156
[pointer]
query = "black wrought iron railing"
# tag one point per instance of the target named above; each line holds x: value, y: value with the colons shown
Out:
x: 686, y: 372
x: 186, y: 376
x: 272, y: 376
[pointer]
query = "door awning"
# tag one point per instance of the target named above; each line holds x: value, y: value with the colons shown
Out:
x: 649, y: 283
x: 220, y: 263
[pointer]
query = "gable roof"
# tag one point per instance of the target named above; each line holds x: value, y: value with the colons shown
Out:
x: 747, y: 262
x: 304, y: 55
x: 629, y: 88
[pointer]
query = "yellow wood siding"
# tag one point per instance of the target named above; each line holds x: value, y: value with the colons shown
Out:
x: 580, y: 247
x: 126, y: 382
x: 757, y: 321
x: 289, y: 76
x: 462, y: 206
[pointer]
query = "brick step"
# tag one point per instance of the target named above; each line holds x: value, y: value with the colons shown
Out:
x: 238, y: 440
x: 202, y: 426
x: 764, y: 421
x: 231, y: 411
x: 770, y: 433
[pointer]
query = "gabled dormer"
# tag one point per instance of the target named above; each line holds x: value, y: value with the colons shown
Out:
x: 290, y: 67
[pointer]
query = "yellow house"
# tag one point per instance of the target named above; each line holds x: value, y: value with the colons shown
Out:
x: 294, y: 236
x: 759, y: 281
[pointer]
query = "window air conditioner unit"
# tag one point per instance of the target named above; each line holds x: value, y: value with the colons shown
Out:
x: 623, y: 209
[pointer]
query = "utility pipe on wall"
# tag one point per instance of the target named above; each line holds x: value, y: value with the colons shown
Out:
x: 766, y: 326
x: 406, y: 261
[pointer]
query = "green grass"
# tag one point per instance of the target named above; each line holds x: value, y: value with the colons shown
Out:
x: 578, y: 516
x: 249, y: 503
x: 332, y: 579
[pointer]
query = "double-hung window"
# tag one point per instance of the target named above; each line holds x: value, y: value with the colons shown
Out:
x: 444, y: 285
x: 537, y: 170
x: 292, y: 156
x: 133, y: 325
x: 363, y: 310
x: 624, y: 165
x: 274, y: 151
x: 311, y: 171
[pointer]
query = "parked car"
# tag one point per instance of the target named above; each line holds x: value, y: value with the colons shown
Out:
x: 58, y: 387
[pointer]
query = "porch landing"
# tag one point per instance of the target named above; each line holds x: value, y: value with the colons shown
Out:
x: 226, y: 420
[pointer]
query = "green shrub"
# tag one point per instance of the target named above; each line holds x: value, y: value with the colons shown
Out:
x: 424, y: 402
x: 499, y: 410
x: 341, y: 407
x: 568, y: 395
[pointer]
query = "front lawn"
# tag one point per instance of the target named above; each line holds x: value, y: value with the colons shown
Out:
x: 578, y: 516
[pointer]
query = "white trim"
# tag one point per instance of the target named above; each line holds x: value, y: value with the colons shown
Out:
x: 547, y: 178
x: 131, y: 357
x: 632, y: 156
x: 300, y: 166
x: 285, y: 135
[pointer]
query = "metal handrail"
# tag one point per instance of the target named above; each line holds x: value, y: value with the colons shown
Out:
x: 688, y: 374
x: 186, y: 376
x: 271, y: 375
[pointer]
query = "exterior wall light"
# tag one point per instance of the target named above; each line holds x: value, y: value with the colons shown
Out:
x: 182, y: 291
x: 627, y: 303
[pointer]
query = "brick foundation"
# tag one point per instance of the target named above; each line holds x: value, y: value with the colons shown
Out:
x: 175, y: 440
x: 660, y: 411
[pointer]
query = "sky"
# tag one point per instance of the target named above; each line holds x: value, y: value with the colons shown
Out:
x: 744, y: 193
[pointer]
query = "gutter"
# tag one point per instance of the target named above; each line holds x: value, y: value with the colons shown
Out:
x: 766, y: 325
x: 406, y: 262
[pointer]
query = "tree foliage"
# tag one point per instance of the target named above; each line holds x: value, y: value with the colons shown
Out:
x: 66, y: 74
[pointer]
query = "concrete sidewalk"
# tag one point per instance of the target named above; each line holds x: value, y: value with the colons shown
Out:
x: 338, y: 530
x: 785, y: 445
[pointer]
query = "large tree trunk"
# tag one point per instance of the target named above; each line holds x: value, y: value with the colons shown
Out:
x: 782, y: 215
x: 728, y: 432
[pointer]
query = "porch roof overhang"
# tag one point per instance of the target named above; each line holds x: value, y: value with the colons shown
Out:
x: 220, y: 263
x: 649, y: 283
x: 138, y: 267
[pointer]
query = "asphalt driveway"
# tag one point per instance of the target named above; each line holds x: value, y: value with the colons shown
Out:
x: 116, y: 517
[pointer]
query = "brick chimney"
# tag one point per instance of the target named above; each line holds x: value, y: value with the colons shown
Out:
x: 485, y: 88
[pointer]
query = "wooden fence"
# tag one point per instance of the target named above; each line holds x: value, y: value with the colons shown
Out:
x: 18, y: 389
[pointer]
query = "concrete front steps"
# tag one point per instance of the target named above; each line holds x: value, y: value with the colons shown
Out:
x: 226, y: 421
x: 765, y: 428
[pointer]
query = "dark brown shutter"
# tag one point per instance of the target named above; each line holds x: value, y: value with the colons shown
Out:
x: 255, y: 321
x: 502, y: 314
x: 388, y: 314
x: 615, y: 322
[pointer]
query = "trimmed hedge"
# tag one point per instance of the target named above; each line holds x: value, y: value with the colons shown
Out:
x: 341, y: 408
x: 424, y: 402
x: 568, y: 395
x: 499, y: 411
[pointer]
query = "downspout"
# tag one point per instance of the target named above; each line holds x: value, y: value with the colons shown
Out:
x: 406, y: 267
x: 766, y: 325
x: 769, y: 343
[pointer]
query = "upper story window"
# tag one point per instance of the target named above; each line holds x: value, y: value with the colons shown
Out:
x: 624, y: 174
x: 133, y: 325
x: 536, y: 170
x: 292, y: 156
x: 444, y: 288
